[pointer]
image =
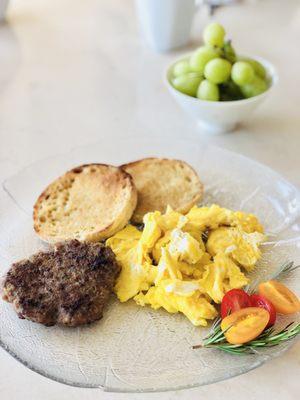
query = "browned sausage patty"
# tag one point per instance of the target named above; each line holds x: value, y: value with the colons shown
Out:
x: 68, y: 285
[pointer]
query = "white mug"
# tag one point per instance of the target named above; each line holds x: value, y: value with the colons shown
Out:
x: 3, y: 7
x: 166, y: 24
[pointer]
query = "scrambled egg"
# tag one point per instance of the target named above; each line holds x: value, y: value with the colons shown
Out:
x: 186, y: 263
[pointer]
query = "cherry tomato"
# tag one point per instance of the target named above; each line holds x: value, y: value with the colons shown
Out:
x: 259, y: 301
x: 245, y: 325
x: 234, y: 300
x: 284, y: 300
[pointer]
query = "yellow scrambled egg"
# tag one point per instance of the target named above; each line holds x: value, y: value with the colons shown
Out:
x: 186, y: 263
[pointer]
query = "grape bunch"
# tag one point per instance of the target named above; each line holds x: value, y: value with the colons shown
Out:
x: 214, y: 72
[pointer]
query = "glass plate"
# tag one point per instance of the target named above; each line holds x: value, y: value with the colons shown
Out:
x: 135, y: 349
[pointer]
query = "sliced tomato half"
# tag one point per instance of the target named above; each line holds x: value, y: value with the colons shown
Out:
x: 282, y: 298
x: 244, y: 325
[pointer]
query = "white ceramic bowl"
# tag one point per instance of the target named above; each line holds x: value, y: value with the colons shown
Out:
x: 221, y: 116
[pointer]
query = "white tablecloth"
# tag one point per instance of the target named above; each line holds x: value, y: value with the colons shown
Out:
x: 74, y: 72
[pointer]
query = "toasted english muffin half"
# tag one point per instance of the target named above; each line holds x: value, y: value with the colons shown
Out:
x: 161, y: 182
x: 89, y: 203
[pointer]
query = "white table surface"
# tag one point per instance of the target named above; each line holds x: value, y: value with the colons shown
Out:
x: 74, y: 72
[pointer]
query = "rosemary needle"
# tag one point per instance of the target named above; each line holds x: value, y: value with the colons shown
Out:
x: 284, y: 269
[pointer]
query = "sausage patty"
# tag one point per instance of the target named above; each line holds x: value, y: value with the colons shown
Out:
x: 68, y: 285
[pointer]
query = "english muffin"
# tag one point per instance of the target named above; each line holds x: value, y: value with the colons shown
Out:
x: 88, y: 203
x: 161, y: 182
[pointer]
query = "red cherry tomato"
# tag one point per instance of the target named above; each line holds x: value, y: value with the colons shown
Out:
x: 260, y: 301
x: 234, y: 300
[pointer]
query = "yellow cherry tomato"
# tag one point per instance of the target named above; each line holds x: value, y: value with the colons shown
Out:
x: 282, y: 298
x: 244, y: 325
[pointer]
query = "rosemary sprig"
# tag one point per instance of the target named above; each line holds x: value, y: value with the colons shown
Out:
x: 269, y: 338
x: 284, y: 269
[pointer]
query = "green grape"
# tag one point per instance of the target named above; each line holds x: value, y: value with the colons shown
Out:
x: 214, y: 34
x: 188, y: 83
x: 229, y: 91
x: 259, y: 69
x: 229, y: 52
x: 242, y: 73
x: 208, y: 91
x: 201, y: 57
x: 217, y: 70
x: 256, y: 87
x: 180, y: 68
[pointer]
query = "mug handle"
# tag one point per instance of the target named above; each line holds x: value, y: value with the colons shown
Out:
x: 212, y: 4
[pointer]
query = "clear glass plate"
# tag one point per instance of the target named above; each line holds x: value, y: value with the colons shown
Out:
x: 135, y: 349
